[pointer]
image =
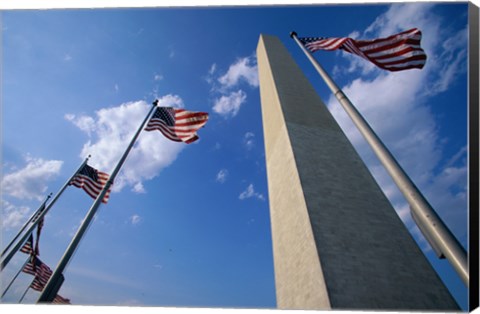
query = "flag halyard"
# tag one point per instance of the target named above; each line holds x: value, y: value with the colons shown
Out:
x: 397, y: 52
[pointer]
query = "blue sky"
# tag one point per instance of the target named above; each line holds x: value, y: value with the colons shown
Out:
x: 188, y: 225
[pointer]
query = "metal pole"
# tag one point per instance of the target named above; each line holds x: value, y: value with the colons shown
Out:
x: 431, y: 223
x: 26, y: 290
x: 51, y: 288
x: 41, y: 215
x: 11, y: 282
x: 42, y: 207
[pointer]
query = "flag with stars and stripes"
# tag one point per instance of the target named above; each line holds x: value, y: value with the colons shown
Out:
x: 91, y: 181
x: 60, y: 300
x: 41, y: 272
x: 28, y: 246
x: 178, y: 125
x: 398, y: 52
x: 37, y: 268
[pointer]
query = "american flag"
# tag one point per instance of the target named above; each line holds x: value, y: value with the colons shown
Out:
x: 38, y: 269
x: 398, y: 52
x: 92, y: 181
x: 178, y: 125
x: 60, y: 300
x: 28, y: 246
x: 42, y: 275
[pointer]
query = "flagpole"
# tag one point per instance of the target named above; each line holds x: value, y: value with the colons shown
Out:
x: 52, y: 286
x: 40, y: 216
x: 430, y: 222
x: 23, y: 295
x: 15, y: 277
x: 26, y: 224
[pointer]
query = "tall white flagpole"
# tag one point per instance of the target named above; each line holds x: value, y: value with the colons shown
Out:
x: 53, y: 284
x: 429, y: 222
x: 38, y: 218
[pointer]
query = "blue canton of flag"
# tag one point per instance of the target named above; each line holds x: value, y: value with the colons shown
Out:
x: 167, y: 115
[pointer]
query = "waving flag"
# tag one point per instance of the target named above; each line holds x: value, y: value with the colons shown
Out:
x: 41, y: 272
x: 178, y: 125
x: 28, y: 246
x: 34, y: 266
x: 91, y: 181
x: 398, y: 52
x: 60, y: 300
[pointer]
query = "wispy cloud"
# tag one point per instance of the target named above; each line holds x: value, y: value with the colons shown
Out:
x: 158, y: 77
x: 171, y: 52
x: 139, y: 188
x: 229, y: 105
x: 213, y: 67
x: 228, y: 96
x: 249, y: 140
x: 210, y: 77
x: 110, y: 132
x: 249, y: 193
x: 222, y: 176
x: 84, y: 123
x: 243, y: 69
x: 13, y: 216
x: 135, y: 219
x: 30, y: 182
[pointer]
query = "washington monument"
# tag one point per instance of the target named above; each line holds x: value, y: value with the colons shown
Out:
x: 337, y: 241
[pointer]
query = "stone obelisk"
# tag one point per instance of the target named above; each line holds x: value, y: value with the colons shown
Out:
x: 337, y: 241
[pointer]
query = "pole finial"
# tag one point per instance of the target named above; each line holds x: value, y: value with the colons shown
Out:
x: 293, y: 33
x: 155, y: 102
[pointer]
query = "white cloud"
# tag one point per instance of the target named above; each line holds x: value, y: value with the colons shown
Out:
x: 30, y: 182
x: 212, y: 69
x: 229, y: 102
x: 110, y: 132
x: 244, y: 69
x: 222, y: 176
x: 396, y: 106
x: 171, y: 53
x: 249, y: 140
x: 170, y: 101
x: 116, y: 87
x: 210, y: 76
x: 250, y: 192
x: 13, y: 216
x: 139, y: 188
x: 158, y: 77
x: 228, y: 106
x: 135, y: 219
x: 84, y: 123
